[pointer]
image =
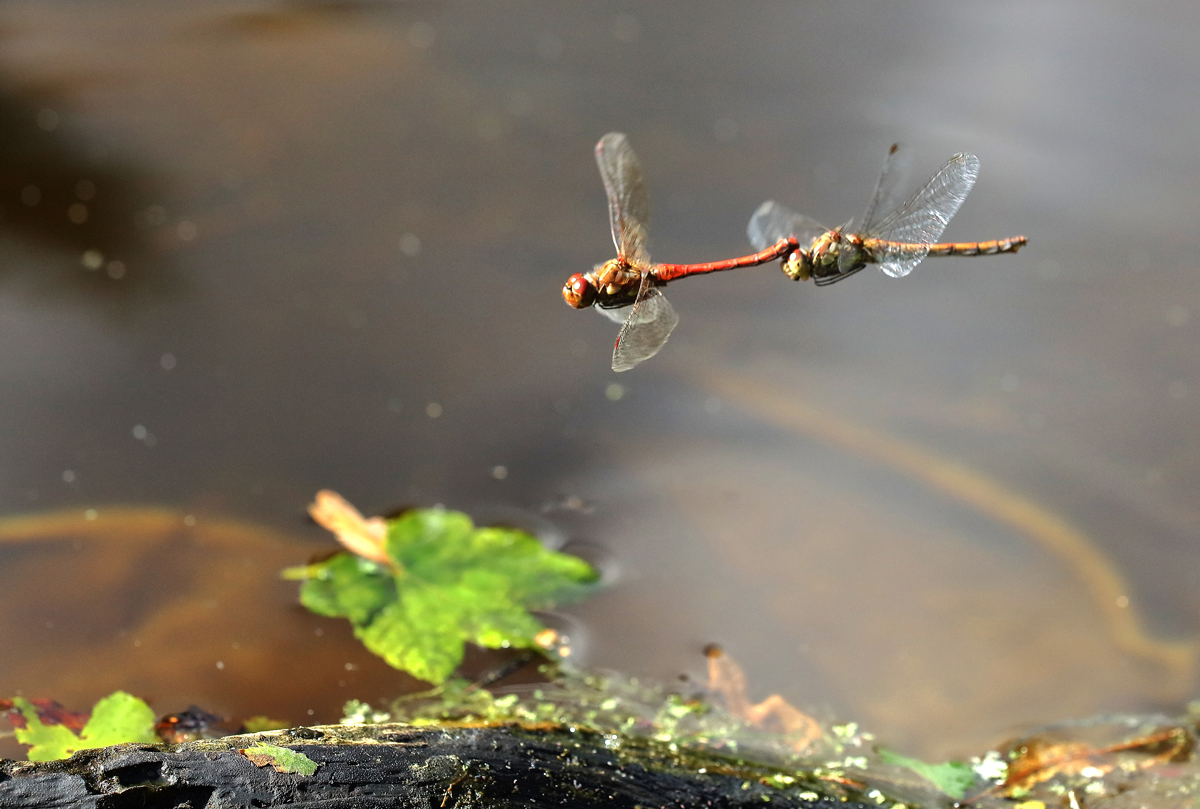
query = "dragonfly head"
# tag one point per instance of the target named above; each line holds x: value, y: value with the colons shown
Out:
x: 798, y: 265
x: 579, y: 291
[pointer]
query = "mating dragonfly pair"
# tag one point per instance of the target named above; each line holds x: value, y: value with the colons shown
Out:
x: 626, y: 289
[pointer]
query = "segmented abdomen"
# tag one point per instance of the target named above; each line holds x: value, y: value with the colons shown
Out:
x: 978, y: 248
x: 1012, y: 245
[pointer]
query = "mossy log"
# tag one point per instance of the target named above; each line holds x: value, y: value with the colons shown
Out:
x: 403, y: 766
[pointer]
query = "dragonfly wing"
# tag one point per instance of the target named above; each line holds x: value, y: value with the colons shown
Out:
x: 918, y: 223
x: 651, y: 321
x: 896, y: 168
x: 772, y: 222
x: 628, y: 202
x: 617, y: 315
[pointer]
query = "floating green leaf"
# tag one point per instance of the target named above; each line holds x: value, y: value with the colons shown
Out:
x: 281, y: 758
x: 953, y: 777
x: 116, y: 719
x: 448, y: 583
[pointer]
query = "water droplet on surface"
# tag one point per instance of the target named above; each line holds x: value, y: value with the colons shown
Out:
x: 499, y: 472
x: 433, y: 410
x: 614, y: 392
x: 410, y: 245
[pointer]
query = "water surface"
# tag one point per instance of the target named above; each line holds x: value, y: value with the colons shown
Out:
x: 269, y: 242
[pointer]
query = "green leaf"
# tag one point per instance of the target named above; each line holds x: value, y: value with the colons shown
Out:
x: 281, y: 758
x: 119, y: 718
x: 450, y: 583
x: 348, y: 586
x: 47, y: 742
x: 116, y: 719
x: 953, y: 777
x: 418, y: 634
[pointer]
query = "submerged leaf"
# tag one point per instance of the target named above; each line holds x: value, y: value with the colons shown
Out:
x: 953, y: 777
x: 257, y: 724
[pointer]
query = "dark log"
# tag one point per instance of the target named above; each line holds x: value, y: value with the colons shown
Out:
x: 402, y: 766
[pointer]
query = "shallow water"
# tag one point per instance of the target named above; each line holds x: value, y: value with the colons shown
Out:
x: 910, y: 503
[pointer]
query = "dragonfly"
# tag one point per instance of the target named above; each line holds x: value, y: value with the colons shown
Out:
x: 897, y: 241
x: 627, y: 289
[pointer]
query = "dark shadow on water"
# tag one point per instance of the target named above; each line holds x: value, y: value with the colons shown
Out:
x: 78, y: 220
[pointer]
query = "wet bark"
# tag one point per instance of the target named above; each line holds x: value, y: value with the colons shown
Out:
x: 401, y: 766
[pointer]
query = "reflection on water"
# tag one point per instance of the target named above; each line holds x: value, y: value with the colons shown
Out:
x: 342, y: 229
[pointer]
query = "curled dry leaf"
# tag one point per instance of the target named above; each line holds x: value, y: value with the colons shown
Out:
x: 360, y: 535
x: 773, y: 714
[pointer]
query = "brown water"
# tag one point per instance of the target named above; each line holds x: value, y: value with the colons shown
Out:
x: 910, y: 503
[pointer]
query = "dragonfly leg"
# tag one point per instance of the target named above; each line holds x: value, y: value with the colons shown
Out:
x: 826, y: 280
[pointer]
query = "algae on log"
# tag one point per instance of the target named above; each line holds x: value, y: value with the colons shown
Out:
x: 400, y: 765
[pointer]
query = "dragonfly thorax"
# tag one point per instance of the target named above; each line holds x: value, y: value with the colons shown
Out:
x: 835, y: 253
x: 611, y: 284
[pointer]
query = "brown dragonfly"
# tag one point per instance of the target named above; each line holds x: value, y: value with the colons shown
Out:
x: 626, y: 289
x: 897, y: 241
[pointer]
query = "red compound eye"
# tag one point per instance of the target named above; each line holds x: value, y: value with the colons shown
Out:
x: 579, y: 292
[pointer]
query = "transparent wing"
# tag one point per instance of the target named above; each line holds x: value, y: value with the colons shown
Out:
x: 919, y: 222
x: 617, y: 315
x: 651, y: 321
x: 896, y: 168
x: 772, y: 222
x: 628, y: 202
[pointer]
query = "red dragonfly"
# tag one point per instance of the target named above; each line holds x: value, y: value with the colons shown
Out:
x: 897, y: 242
x: 625, y: 289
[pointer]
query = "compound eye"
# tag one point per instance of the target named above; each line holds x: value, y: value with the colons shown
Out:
x: 579, y: 292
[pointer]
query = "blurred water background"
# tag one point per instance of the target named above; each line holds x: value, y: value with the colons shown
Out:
x: 253, y: 249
